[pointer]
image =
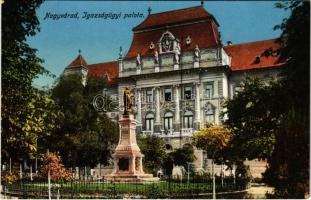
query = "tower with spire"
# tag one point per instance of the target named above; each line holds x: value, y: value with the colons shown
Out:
x: 78, y: 66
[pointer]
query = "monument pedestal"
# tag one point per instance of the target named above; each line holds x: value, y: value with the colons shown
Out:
x: 127, y: 158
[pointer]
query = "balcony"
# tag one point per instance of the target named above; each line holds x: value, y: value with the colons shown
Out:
x: 147, y: 132
x: 187, y: 132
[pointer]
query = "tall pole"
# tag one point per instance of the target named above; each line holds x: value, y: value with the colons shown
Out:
x: 214, y: 186
x: 49, y: 177
x: 222, y: 174
x: 188, y: 172
x: 10, y: 165
x: 20, y: 171
x: 31, y: 172
x: 49, y: 184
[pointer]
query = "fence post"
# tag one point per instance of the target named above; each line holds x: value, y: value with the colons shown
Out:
x: 214, y: 184
x: 49, y: 184
x: 71, y: 190
x: 169, y: 184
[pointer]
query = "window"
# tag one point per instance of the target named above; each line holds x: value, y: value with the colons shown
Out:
x: 168, y: 94
x: 209, y: 113
x: 209, y: 90
x: 168, y: 121
x: 188, y: 119
x: 210, y: 118
x: 188, y: 93
x: 149, y: 122
x: 149, y: 95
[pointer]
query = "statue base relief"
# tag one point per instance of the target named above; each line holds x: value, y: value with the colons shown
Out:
x: 127, y: 158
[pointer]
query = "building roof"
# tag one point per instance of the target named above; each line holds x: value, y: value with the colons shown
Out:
x: 205, y: 36
x: 102, y: 69
x: 194, y: 22
x: 78, y: 62
x: 174, y: 17
x: 243, y: 56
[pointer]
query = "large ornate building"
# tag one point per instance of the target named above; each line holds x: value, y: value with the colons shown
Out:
x: 182, y: 73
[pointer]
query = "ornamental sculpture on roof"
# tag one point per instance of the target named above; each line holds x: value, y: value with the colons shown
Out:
x: 138, y: 61
x: 196, y: 53
x: 156, y: 57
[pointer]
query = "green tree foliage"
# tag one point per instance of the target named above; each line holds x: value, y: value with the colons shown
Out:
x: 289, y: 164
x: 183, y: 155
x: 20, y: 66
x: 154, y: 153
x: 178, y: 157
x: 273, y: 121
x: 253, y: 118
x: 85, y: 136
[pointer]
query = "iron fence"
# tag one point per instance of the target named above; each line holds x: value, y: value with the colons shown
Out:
x: 164, y: 188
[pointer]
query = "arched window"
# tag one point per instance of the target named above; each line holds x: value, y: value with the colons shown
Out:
x: 188, y: 119
x: 149, y: 122
x: 168, y: 121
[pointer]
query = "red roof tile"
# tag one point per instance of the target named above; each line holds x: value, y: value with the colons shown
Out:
x: 101, y: 69
x: 78, y: 62
x: 204, y: 34
x: 244, y: 55
x: 174, y: 17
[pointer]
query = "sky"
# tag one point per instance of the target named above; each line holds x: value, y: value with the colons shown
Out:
x: 99, y: 40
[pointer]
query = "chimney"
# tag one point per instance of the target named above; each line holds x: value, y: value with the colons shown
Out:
x: 229, y: 43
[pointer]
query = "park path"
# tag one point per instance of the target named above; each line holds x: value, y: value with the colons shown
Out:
x: 258, y: 191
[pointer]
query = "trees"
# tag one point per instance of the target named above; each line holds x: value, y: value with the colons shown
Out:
x: 183, y: 156
x: 212, y: 139
x: 52, y: 163
x: 289, y: 164
x: 276, y: 120
x: 253, y: 117
x: 154, y: 153
x: 25, y: 110
x: 85, y: 136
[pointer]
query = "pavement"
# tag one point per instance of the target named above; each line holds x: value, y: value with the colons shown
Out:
x: 258, y: 191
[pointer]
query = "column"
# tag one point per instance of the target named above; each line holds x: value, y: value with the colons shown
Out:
x: 157, y: 124
x: 138, y: 117
x: 197, y: 120
x: 141, y: 165
x: 177, y: 111
x: 116, y: 167
x: 132, y: 166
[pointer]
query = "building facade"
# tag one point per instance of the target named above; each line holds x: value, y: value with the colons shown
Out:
x: 181, y: 73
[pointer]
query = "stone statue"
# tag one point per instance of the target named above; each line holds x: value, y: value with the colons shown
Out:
x: 177, y: 52
x: 196, y: 53
x: 128, y: 101
x: 156, y: 57
x: 138, y: 61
